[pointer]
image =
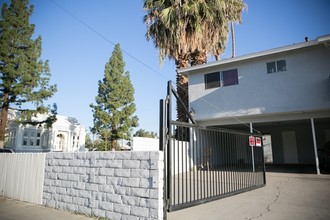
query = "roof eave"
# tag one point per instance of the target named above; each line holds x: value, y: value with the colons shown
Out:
x: 320, y: 40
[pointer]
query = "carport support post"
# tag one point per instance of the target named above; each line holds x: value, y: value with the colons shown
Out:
x: 252, y: 153
x: 315, y: 147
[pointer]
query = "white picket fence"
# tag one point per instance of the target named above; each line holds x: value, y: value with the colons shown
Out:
x: 22, y: 175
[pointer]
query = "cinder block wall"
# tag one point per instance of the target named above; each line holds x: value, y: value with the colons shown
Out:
x: 115, y: 185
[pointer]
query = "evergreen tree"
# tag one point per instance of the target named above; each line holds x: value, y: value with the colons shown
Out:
x: 24, y: 79
x: 144, y: 133
x: 114, y: 109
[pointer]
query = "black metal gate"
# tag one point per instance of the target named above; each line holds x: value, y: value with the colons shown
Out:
x: 204, y: 164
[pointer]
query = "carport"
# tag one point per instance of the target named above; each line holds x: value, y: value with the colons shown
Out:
x: 294, y: 142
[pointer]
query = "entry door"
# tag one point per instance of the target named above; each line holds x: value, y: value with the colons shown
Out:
x: 290, y: 147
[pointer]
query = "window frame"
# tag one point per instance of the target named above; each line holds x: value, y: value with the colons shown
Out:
x: 32, y: 137
x: 222, y: 79
x: 211, y: 82
x: 276, y: 66
x: 11, y: 137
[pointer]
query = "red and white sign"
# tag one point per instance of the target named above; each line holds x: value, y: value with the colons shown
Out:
x: 252, y: 141
x: 258, y: 141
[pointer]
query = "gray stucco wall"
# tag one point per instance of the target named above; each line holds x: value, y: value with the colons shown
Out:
x: 116, y: 185
x: 303, y: 87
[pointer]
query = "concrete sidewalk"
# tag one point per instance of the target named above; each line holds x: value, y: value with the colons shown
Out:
x: 16, y: 210
x: 286, y: 196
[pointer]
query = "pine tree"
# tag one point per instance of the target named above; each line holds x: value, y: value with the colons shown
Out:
x: 24, y: 79
x: 114, y: 109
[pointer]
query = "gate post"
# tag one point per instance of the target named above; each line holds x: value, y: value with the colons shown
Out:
x: 162, y: 128
x: 168, y: 143
x: 162, y: 147
x: 252, y: 150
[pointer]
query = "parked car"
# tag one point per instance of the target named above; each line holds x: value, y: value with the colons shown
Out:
x: 325, y: 156
x: 6, y: 150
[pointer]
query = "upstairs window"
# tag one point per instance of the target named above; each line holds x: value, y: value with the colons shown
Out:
x: 220, y: 79
x: 212, y: 80
x: 229, y: 77
x: 276, y: 66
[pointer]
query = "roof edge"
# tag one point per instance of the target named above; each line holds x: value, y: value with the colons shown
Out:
x: 318, y: 40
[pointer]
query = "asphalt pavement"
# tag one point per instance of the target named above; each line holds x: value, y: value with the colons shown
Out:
x: 286, y: 196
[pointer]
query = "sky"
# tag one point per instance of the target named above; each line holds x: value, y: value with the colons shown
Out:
x: 78, y: 38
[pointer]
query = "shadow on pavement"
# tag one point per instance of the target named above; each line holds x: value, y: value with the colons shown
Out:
x: 293, y: 168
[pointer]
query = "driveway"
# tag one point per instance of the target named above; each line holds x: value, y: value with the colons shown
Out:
x: 286, y: 196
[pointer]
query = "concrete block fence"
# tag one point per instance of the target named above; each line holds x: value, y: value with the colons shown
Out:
x: 113, y: 185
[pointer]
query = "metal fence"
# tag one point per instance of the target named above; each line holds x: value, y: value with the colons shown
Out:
x: 22, y: 176
x: 205, y: 164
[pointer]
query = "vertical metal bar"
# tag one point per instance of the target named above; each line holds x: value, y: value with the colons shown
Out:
x: 207, y: 164
x: 183, y: 166
x: 252, y: 153
x: 161, y: 124
x: 227, y: 164
x: 247, y: 161
x: 207, y: 159
x: 203, y: 174
x: 263, y: 161
x: 238, y: 162
x: 242, y: 161
x: 249, y: 165
x: 231, y: 162
x: 188, y: 172
x: 176, y: 149
x: 198, y: 150
x: 187, y: 167
x: 220, y: 146
x: 214, y: 182
x: 242, y: 146
x: 215, y: 166
x: 315, y: 147
x: 162, y: 147
x: 235, y: 162
x: 203, y: 169
x: 222, y: 170
x: 169, y: 144
x: 194, y: 161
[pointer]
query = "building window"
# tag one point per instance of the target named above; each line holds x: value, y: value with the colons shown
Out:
x: 220, y: 79
x: 212, y: 80
x: 74, y: 141
x: 276, y: 66
x: 44, y: 139
x: 31, y: 137
x: 229, y: 77
x: 11, y: 138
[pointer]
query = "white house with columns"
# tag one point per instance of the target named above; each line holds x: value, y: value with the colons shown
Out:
x: 283, y: 93
x: 65, y: 135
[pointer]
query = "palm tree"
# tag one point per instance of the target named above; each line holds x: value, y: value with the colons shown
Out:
x: 187, y: 31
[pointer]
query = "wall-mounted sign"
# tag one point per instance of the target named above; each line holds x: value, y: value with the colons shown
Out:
x: 252, y: 141
x: 258, y: 141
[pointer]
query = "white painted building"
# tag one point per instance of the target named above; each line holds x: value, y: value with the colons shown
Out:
x: 65, y: 135
x: 145, y: 144
x: 282, y: 92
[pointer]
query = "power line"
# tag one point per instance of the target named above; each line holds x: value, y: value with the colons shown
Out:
x: 105, y: 38
x: 139, y: 61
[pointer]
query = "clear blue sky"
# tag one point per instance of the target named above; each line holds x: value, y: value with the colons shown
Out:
x: 78, y: 54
